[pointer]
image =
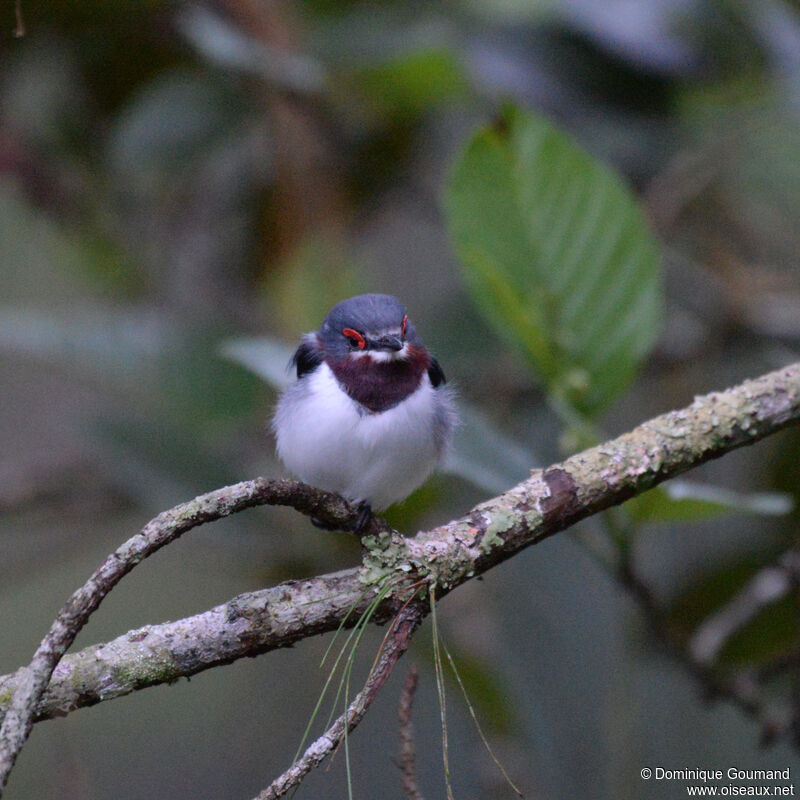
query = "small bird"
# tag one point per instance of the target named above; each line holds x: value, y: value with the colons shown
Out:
x: 369, y: 416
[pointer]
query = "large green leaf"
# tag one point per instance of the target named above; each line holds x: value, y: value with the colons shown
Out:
x: 557, y: 255
x: 681, y: 501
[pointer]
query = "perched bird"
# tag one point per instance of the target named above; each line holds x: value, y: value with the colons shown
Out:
x: 369, y: 416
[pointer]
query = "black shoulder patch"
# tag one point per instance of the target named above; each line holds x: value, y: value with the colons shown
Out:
x: 436, y: 374
x: 306, y: 358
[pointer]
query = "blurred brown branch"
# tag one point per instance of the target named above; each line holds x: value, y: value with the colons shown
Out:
x: 407, y: 750
x: 19, y: 29
x: 550, y: 501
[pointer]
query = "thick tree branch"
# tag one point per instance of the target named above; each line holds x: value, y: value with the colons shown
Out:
x: 549, y: 501
x: 247, y: 625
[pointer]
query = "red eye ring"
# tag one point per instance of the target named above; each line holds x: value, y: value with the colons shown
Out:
x: 355, y: 337
x: 405, y: 322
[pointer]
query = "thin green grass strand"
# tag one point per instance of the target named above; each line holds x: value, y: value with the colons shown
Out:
x: 369, y: 610
x: 439, y: 671
x: 357, y: 631
x: 343, y: 623
x: 475, y: 720
x: 348, y: 671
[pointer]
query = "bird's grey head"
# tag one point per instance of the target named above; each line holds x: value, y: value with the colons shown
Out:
x: 368, y: 324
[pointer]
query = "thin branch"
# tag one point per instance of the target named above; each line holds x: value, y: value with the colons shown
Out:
x: 550, y: 501
x: 397, y: 643
x: 741, y: 690
x: 766, y: 587
x: 31, y: 681
x: 219, y: 39
x: 19, y: 28
x: 408, y: 755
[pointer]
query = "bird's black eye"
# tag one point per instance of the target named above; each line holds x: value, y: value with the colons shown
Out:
x: 356, y: 339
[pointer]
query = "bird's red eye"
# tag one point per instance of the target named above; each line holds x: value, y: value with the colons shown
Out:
x: 356, y: 339
x: 405, y: 322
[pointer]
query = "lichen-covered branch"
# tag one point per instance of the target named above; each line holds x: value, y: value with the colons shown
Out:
x: 30, y: 682
x: 247, y: 625
x: 557, y: 497
x: 550, y: 500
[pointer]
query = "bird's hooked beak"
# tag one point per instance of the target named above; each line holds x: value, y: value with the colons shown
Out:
x: 391, y: 343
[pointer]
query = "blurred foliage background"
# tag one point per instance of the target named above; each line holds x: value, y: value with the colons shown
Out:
x: 186, y: 188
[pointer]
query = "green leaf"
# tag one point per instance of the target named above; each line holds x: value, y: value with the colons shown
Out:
x: 681, y: 501
x: 413, y: 83
x: 557, y: 255
x: 265, y: 357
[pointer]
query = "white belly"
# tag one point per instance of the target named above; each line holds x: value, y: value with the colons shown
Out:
x: 325, y: 438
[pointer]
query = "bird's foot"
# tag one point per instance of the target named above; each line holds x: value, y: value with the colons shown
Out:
x: 364, y: 518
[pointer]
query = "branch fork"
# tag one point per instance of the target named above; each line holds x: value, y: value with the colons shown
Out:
x: 549, y: 501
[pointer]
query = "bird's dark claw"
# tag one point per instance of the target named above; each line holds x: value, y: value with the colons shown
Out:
x: 362, y: 521
x: 364, y: 518
x: 325, y: 526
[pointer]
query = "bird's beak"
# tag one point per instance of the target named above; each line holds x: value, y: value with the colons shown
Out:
x: 387, y: 343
